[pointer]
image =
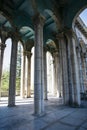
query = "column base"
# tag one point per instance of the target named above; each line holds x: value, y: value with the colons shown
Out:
x: 60, y: 95
x: 39, y: 115
x: 11, y: 105
x: 28, y: 96
x: 46, y: 99
x: 75, y: 105
x: 22, y: 97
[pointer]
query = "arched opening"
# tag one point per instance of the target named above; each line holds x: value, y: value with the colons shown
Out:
x: 6, y: 69
x: 32, y: 72
x: 50, y: 81
x: 53, y: 76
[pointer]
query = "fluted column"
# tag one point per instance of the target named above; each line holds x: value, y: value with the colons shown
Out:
x: 60, y: 71
x: 63, y: 64
x: 74, y: 69
x: 80, y: 70
x: 45, y: 74
x: 59, y: 80
x: 38, y: 66
x: 86, y: 67
x: 28, y: 90
x: 83, y: 58
x: 23, y: 75
x: 2, y: 47
x: 12, y: 79
x: 56, y: 87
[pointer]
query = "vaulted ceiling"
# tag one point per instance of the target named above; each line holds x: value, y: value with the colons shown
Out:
x: 16, y: 16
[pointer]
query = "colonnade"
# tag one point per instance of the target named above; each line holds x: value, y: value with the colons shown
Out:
x: 66, y: 69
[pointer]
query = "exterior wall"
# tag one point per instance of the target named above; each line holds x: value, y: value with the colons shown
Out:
x: 80, y: 35
x: 82, y: 44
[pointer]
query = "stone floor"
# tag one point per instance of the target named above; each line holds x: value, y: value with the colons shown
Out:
x: 57, y: 117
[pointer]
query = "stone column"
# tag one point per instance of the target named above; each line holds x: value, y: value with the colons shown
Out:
x: 54, y: 74
x: 80, y: 70
x: 45, y: 74
x: 2, y: 47
x: 63, y: 65
x: 74, y: 69
x: 70, y: 79
x: 60, y: 72
x: 83, y: 58
x: 23, y: 75
x: 38, y: 66
x: 56, y: 70
x: 86, y: 67
x: 12, y: 80
x: 28, y: 91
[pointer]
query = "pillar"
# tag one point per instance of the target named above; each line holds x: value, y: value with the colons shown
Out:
x: 73, y: 63
x: 28, y: 91
x: 45, y: 74
x: 38, y: 66
x: 2, y: 47
x: 70, y: 79
x: 86, y: 67
x: 23, y: 75
x: 59, y: 76
x: 80, y: 69
x: 57, y: 89
x: 60, y: 71
x: 83, y: 58
x: 63, y: 67
x: 12, y: 79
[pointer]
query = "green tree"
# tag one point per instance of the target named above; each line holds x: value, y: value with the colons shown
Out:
x: 5, y: 81
x: 5, y: 76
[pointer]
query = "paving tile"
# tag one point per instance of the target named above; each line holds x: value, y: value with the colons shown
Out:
x: 82, y: 128
x: 84, y: 125
x: 58, y: 117
x: 36, y: 125
x: 71, y: 121
x: 59, y: 126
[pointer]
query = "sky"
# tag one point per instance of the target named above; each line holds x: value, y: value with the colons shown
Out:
x: 83, y: 16
x: 7, y: 52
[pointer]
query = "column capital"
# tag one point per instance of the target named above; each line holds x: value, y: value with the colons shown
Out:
x: 4, y: 36
x: 38, y: 18
x: 78, y: 48
x: 27, y: 53
x: 14, y: 38
x: 45, y: 49
x: 2, y: 46
x: 60, y: 35
x: 56, y: 53
x: 70, y: 32
x: 83, y: 55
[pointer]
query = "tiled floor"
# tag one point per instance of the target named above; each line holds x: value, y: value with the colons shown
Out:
x: 57, y: 117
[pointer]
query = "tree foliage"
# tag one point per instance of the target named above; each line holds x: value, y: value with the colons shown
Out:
x: 5, y: 81
x: 5, y: 76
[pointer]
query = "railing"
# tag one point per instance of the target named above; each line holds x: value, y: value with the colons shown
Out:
x: 5, y: 93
